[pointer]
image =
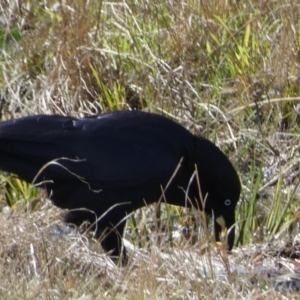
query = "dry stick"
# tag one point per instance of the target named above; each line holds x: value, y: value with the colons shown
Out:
x: 158, y: 206
x: 55, y: 162
x: 274, y: 179
x: 268, y: 101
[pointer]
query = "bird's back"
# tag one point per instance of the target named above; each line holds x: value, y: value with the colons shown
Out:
x: 105, y: 147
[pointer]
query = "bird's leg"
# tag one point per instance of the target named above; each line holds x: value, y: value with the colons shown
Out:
x: 111, y: 241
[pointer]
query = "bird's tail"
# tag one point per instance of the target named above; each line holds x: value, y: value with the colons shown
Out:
x: 24, y: 146
x: 20, y: 158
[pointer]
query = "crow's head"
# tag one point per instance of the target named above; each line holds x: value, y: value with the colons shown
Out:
x: 220, y: 188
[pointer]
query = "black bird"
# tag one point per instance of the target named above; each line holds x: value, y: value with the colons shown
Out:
x: 117, y: 162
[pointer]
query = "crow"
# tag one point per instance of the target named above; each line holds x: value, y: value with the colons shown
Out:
x: 104, y: 167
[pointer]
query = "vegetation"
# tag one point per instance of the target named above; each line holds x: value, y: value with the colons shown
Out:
x: 227, y: 70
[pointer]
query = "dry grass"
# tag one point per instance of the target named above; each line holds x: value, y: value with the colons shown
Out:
x: 41, y: 258
x: 228, y: 70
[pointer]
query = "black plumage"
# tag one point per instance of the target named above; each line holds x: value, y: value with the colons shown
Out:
x: 115, y: 163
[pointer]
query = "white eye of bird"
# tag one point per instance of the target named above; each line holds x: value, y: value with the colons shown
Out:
x: 227, y: 202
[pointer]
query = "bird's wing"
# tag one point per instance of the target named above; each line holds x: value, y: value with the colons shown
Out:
x: 110, y: 151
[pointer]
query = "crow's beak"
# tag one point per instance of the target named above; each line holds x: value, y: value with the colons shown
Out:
x: 224, y: 231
